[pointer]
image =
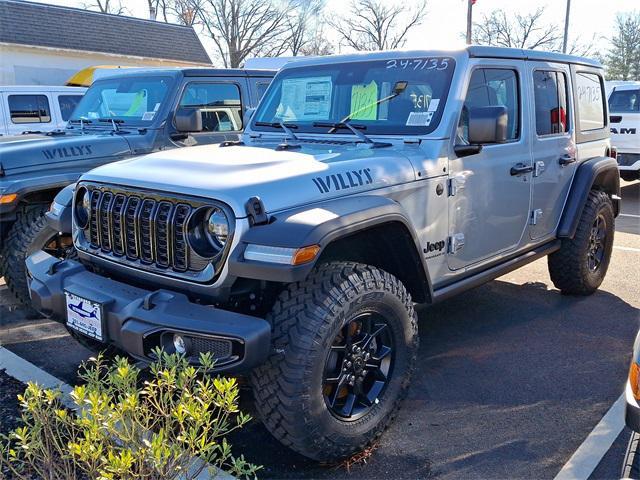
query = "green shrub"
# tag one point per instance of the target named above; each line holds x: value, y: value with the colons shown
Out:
x: 129, y: 427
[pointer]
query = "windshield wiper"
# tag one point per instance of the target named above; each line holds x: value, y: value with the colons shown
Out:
x: 81, y: 121
x: 115, y: 122
x: 355, y: 129
x: 287, y: 129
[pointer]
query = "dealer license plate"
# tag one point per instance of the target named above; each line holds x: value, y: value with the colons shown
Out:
x: 84, y: 316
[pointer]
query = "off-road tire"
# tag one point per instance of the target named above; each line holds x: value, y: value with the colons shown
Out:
x: 631, y: 463
x: 28, y: 234
x: 568, y: 267
x: 305, y: 319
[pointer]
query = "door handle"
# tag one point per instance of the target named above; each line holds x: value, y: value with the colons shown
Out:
x: 566, y: 159
x: 520, y: 168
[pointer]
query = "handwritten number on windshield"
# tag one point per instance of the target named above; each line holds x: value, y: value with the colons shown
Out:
x: 419, y: 64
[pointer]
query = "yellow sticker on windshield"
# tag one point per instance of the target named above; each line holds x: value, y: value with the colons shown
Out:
x: 363, y: 101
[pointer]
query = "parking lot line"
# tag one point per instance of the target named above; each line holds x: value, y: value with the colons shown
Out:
x: 587, y: 457
x: 627, y: 249
x: 628, y: 215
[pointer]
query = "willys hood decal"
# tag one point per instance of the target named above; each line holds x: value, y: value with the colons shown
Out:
x: 282, y: 179
x: 20, y: 152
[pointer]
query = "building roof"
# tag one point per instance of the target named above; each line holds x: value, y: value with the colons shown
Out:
x: 36, y: 24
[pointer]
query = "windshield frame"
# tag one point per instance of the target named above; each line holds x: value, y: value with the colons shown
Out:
x: 171, y: 80
x: 329, y: 69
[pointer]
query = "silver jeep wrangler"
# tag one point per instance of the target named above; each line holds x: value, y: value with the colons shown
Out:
x: 363, y: 184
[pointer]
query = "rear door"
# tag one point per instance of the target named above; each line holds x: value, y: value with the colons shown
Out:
x: 552, y: 144
x: 488, y: 211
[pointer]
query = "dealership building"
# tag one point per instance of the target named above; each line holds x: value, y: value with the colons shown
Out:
x: 45, y: 44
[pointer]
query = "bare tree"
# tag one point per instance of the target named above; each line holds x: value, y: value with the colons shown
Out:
x: 244, y: 28
x: 318, y: 45
x: 157, y: 7
x: 623, y: 58
x: 304, y: 26
x: 185, y: 12
x: 373, y: 25
x: 517, y: 31
x: 106, y: 6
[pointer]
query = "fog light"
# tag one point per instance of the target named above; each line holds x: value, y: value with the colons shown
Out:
x: 180, y: 344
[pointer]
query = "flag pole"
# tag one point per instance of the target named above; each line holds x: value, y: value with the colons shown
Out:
x: 566, y: 27
x: 469, y: 19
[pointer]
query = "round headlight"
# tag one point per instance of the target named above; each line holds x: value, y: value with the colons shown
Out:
x: 83, y: 208
x: 218, y: 227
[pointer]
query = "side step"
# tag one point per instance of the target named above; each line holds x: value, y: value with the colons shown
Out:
x: 477, y: 279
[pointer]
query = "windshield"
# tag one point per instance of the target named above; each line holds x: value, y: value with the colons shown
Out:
x: 371, y: 94
x: 624, y: 101
x: 132, y: 100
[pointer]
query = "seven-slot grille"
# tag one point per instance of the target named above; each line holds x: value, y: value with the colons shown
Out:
x: 138, y: 228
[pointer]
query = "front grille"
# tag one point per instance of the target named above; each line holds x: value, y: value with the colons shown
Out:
x: 133, y: 227
x: 220, y: 349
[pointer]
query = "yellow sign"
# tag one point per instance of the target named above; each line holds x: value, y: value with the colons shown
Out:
x: 363, y: 101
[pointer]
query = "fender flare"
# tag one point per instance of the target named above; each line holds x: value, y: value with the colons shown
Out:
x: 318, y: 224
x: 598, y: 172
x: 60, y: 214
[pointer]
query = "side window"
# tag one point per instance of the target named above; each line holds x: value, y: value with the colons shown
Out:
x: 490, y: 87
x: 590, y: 101
x: 29, y: 109
x: 261, y: 87
x: 220, y: 105
x: 67, y: 105
x: 550, y: 91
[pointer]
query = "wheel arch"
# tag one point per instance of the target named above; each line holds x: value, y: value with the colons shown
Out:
x: 600, y: 173
x: 366, y: 229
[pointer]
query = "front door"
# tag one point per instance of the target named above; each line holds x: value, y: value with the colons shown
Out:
x: 552, y: 144
x: 489, y: 205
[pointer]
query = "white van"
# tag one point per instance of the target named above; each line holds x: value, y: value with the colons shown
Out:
x: 36, y: 108
x: 624, y: 116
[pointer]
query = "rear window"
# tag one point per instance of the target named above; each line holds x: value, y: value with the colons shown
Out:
x: 589, y: 89
x: 29, y: 109
x: 67, y: 105
x: 550, y: 90
x: 624, y: 101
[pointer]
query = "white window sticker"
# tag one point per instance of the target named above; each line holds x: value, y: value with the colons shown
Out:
x: 148, y: 116
x: 305, y: 99
x: 419, y: 119
x: 433, y: 104
x: 155, y: 109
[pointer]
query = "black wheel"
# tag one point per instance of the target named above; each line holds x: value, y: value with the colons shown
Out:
x: 28, y: 234
x: 579, y: 267
x: 631, y: 463
x: 345, y: 342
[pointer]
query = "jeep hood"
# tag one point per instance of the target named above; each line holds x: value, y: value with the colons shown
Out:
x: 281, y: 178
x: 20, y: 153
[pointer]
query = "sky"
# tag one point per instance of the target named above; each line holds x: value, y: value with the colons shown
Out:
x: 444, y: 20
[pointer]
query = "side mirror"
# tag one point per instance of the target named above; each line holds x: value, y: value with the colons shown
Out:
x: 188, y: 120
x: 488, y: 125
x: 246, y: 118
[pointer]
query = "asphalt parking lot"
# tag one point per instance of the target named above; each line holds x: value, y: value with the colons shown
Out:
x: 512, y: 376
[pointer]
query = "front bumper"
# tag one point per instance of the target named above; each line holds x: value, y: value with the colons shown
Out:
x: 137, y: 320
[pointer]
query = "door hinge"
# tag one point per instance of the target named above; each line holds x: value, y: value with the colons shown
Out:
x: 455, y: 242
x: 455, y: 184
x: 535, y: 216
x: 538, y: 168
